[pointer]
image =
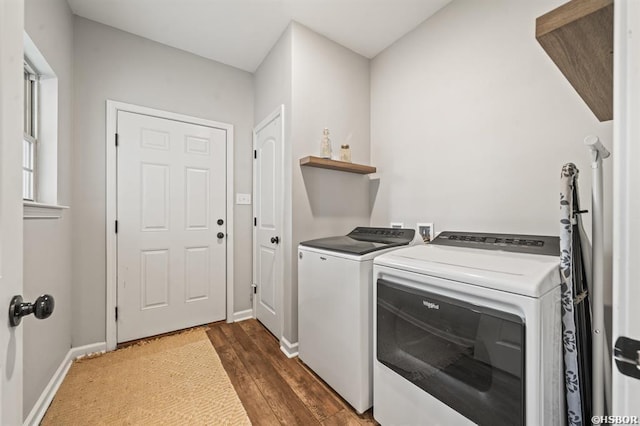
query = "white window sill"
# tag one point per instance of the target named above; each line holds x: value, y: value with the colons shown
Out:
x: 33, y: 210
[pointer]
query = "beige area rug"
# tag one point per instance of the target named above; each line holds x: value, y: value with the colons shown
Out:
x: 173, y: 380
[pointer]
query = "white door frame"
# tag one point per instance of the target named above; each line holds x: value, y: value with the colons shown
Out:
x: 284, y: 243
x: 112, y: 114
x: 626, y: 179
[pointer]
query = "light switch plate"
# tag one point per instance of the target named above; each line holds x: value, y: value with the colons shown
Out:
x: 243, y: 198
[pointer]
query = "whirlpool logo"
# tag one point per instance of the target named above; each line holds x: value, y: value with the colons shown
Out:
x: 430, y: 305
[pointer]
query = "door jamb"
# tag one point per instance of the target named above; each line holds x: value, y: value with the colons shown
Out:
x: 279, y: 111
x: 111, y: 174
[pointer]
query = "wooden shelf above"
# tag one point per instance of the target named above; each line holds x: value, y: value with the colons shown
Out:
x: 325, y: 163
x: 578, y: 36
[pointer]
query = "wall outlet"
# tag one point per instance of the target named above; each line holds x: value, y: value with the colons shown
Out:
x: 397, y: 225
x: 243, y: 198
x: 426, y: 231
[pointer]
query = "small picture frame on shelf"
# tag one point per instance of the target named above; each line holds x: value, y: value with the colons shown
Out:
x: 426, y: 231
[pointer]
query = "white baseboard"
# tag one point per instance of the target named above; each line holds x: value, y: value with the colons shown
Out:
x: 42, y: 404
x: 289, y: 349
x: 86, y: 350
x: 242, y: 315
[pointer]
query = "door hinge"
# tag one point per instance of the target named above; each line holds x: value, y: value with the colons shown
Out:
x: 255, y: 288
x: 626, y: 352
x: 116, y: 226
x: 117, y: 140
x: 255, y: 221
x: 116, y: 313
x: 255, y: 153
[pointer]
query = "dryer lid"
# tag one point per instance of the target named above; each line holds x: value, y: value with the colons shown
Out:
x: 525, y: 274
x: 363, y: 240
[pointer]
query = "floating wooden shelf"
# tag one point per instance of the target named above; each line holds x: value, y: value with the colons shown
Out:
x: 343, y: 166
x: 578, y: 36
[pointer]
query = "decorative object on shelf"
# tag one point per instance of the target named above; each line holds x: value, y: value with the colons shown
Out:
x: 325, y: 145
x: 325, y: 163
x: 345, y: 153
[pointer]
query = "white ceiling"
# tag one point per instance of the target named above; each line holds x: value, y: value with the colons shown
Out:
x: 241, y: 32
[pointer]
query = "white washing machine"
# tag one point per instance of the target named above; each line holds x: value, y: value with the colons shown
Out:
x: 335, y: 303
x: 467, y: 329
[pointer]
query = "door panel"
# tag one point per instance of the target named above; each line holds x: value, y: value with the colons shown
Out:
x: 197, y: 272
x: 268, y: 253
x: 155, y: 278
x: 197, y: 198
x: 155, y: 197
x: 11, y: 133
x: 267, y: 182
x: 267, y: 279
x: 171, y: 192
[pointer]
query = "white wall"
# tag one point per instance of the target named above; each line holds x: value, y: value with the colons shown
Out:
x: 472, y: 122
x: 112, y: 64
x: 330, y: 88
x: 272, y: 79
x: 322, y: 84
x: 47, y: 243
x: 272, y: 87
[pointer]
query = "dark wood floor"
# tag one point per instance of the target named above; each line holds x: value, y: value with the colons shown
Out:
x: 273, y: 388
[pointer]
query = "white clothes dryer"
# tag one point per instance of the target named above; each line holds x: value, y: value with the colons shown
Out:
x: 467, y: 329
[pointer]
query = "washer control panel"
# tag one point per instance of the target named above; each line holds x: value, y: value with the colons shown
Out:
x: 383, y: 235
x: 532, y: 244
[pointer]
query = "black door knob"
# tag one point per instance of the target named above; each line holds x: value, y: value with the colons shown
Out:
x: 42, y: 308
x: 275, y: 240
x: 220, y: 235
x: 220, y: 222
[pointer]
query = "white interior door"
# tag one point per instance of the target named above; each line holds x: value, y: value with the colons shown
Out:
x: 171, y: 203
x: 11, y: 30
x: 626, y: 220
x: 268, y: 241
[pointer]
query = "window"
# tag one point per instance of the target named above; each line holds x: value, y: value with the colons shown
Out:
x: 30, y: 138
x: 40, y: 141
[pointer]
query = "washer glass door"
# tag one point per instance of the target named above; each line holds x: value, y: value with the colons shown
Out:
x: 469, y: 357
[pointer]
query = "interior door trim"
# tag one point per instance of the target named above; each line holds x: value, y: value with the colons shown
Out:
x: 111, y: 174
